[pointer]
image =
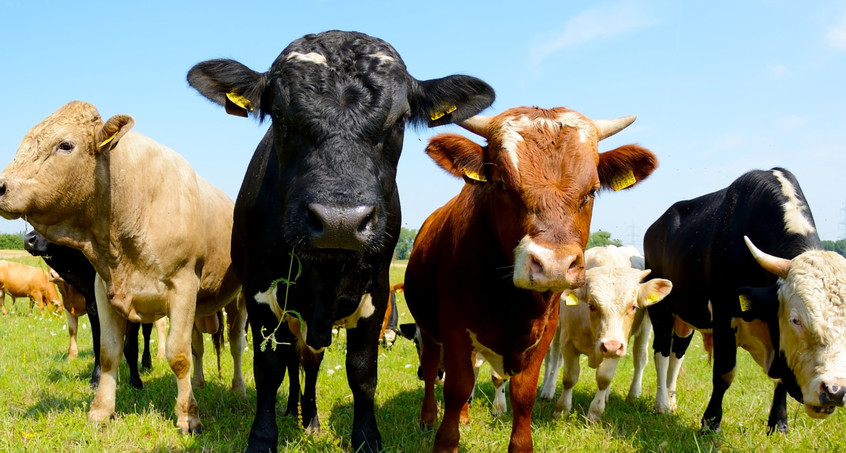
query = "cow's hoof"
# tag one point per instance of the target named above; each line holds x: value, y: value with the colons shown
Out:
x: 780, y: 427
x: 191, y: 431
x: 709, y: 427
x: 99, y: 416
x: 136, y: 383
x: 426, y: 427
x: 313, y: 427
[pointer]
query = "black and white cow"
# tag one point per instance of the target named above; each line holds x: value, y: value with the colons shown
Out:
x: 77, y: 271
x: 703, y: 246
x: 322, y: 185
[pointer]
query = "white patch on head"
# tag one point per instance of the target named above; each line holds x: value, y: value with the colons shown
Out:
x: 269, y: 298
x: 311, y: 57
x: 381, y: 56
x: 365, y: 310
x: 576, y: 121
x: 494, y: 359
x: 795, y: 221
x: 512, y: 126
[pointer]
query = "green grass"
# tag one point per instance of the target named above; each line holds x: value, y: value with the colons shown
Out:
x: 45, y: 399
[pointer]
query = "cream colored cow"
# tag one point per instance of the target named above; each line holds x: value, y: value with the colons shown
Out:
x: 157, y: 234
x: 597, y: 320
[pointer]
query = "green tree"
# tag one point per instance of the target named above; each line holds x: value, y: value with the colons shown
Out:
x: 404, y: 244
x: 836, y: 246
x: 12, y: 241
x: 602, y: 238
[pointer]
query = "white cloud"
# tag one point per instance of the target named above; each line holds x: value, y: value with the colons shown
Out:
x: 836, y: 35
x: 606, y: 21
x: 776, y: 70
x: 791, y: 122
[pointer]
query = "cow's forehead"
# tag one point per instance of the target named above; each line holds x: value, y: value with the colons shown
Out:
x: 517, y: 126
x: 72, y: 117
x: 612, y: 285
x: 817, y: 283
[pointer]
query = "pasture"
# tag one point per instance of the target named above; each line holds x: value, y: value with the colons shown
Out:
x: 45, y: 399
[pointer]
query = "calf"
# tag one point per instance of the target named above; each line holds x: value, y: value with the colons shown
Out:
x: 322, y: 186
x: 702, y: 246
x: 20, y: 280
x: 156, y: 233
x: 525, y: 209
x: 597, y: 320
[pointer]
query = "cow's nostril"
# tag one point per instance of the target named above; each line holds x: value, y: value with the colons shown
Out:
x: 2, y: 188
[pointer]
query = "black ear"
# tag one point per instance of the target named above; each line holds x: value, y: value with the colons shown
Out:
x: 408, y: 330
x: 450, y: 100
x: 229, y: 83
x: 756, y: 303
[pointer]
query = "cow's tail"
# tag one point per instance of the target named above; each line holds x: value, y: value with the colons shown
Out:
x: 218, y: 338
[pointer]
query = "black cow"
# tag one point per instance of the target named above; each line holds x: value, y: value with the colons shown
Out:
x: 78, y: 272
x: 699, y: 245
x: 322, y: 185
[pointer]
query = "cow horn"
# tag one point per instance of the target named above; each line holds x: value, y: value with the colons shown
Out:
x: 477, y: 124
x: 608, y: 128
x: 772, y: 264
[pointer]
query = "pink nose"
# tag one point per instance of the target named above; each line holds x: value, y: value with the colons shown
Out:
x: 612, y: 348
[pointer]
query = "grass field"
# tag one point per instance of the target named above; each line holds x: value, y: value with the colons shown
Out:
x: 45, y: 399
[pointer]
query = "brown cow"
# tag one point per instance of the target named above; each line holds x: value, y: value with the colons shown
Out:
x: 74, y: 304
x: 20, y: 280
x: 157, y: 234
x: 488, y: 268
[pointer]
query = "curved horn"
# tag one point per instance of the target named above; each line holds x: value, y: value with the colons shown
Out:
x: 477, y: 124
x: 772, y: 264
x: 608, y: 128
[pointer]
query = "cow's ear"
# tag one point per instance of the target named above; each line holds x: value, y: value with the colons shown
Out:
x: 625, y: 166
x: 755, y: 303
x: 450, y: 99
x: 459, y: 156
x: 112, y: 131
x: 653, y: 291
x: 571, y: 297
x: 226, y: 82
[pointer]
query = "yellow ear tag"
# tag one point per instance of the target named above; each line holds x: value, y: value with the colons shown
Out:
x: 438, y: 114
x: 745, y: 303
x: 620, y: 182
x: 237, y: 104
x: 653, y: 297
x: 473, y: 176
x: 106, y: 141
x: 571, y: 300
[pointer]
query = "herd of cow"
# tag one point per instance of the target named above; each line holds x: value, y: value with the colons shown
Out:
x: 496, y: 273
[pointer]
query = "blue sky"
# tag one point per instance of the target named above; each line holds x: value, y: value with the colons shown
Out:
x: 719, y: 87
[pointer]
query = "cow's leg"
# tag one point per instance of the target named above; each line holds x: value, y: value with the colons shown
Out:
x: 551, y: 366
x: 146, y: 358
x: 292, y: 363
x: 524, y: 390
x: 778, y: 412
x: 73, y: 326
x: 311, y: 368
x: 640, y: 355
x: 362, y: 373
x: 430, y: 359
x: 94, y: 319
x: 458, y: 384
x: 680, y: 345
x: 662, y: 326
x: 478, y: 360
x: 113, y: 328
x: 3, y: 302
x: 570, y: 359
x: 236, y: 317
x: 181, y: 310
x: 725, y: 361
x: 198, y: 379
x: 269, y: 368
x: 604, y: 375
x: 130, y: 352
x: 499, y: 404
x: 161, y: 337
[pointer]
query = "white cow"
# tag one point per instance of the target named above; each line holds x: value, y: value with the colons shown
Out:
x: 598, y: 319
x: 157, y: 234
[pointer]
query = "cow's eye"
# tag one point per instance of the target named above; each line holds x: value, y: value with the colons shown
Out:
x: 795, y: 321
x: 592, y: 306
x: 65, y: 147
x: 587, y: 199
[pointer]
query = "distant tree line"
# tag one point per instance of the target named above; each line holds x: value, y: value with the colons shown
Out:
x: 12, y: 241
x: 404, y: 244
x: 835, y: 246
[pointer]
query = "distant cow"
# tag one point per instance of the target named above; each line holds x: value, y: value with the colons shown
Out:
x: 156, y: 233
x: 700, y: 245
x: 388, y: 334
x: 487, y: 268
x: 321, y: 185
x: 20, y: 280
x: 76, y: 281
x: 597, y: 320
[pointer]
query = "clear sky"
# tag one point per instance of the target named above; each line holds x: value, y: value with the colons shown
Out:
x: 719, y: 87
